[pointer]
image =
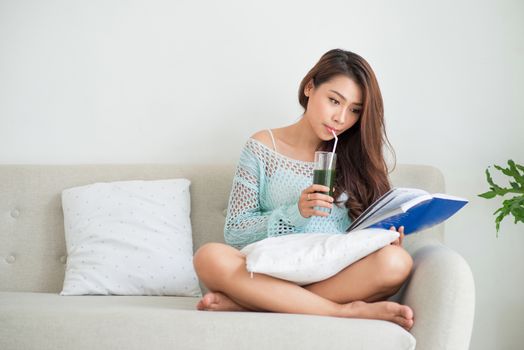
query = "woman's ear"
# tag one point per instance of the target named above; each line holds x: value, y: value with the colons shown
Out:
x: 309, y: 86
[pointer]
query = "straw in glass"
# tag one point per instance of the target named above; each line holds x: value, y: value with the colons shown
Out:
x: 334, y: 148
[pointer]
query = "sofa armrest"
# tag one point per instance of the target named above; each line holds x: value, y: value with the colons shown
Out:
x: 441, y: 292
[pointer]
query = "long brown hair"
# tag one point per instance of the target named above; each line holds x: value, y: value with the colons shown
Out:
x: 361, y: 169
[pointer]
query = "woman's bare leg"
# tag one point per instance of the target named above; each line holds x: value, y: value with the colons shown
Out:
x: 222, y: 269
x: 372, y: 278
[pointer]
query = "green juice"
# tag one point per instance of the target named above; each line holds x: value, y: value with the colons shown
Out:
x: 325, y: 177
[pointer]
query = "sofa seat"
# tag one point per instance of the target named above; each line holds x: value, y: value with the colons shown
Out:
x: 51, y: 321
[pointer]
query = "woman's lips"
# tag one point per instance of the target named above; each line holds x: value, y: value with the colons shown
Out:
x: 330, y: 129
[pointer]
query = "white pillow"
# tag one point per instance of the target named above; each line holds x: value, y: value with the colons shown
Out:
x: 129, y: 238
x: 305, y: 258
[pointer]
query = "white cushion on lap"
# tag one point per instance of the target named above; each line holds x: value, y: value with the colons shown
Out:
x: 305, y: 258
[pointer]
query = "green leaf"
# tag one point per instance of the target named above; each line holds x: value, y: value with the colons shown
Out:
x: 517, y: 208
x: 505, y: 171
x: 515, y: 172
x: 488, y: 195
x: 507, y: 205
x: 502, y: 191
x: 518, y: 214
x: 499, y: 190
x: 490, y: 180
x: 497, y: 222
x: 504, y: 210
x: 500, y: 217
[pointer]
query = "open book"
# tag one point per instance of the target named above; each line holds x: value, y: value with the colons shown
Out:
x: 412, y: 208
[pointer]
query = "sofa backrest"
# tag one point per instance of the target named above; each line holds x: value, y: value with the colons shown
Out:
x: 32, y: 243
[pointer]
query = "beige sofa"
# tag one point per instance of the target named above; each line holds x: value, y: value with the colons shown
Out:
x: 33, y: 256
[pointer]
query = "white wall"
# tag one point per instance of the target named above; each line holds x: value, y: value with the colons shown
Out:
x: 163, y: 81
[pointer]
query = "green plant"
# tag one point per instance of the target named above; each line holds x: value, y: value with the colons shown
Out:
x: 515, y: 205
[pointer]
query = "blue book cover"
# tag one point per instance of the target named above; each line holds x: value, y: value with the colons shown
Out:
x: 414, y: 209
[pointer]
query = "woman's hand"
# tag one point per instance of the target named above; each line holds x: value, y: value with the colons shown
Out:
x: 309, y: 199
x: 398, y: 241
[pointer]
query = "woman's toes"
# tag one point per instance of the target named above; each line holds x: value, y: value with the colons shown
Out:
x: 401, y: 321
x: 201, y: 305
x: 409, y: 324
x: 210, y: 299
x: 405, y: 323
x: 206, y: 302
x: 406, y: 312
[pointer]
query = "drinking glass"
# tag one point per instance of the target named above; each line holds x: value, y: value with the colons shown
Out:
x: 324, y: 173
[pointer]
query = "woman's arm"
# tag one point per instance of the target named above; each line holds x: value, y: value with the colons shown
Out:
x: 246, y: 222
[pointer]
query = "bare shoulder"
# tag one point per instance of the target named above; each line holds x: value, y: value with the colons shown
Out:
x: 264, y: 137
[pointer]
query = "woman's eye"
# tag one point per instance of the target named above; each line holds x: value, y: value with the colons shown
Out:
x: 334, y: 101
x: 356, y: 111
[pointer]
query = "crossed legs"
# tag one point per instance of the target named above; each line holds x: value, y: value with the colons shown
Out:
x: 356, y: 291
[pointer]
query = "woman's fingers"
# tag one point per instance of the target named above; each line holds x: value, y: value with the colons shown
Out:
x: 321, y: 196
x: 312, y: 197
x: 400, y: 238
x: 395, y: 242
x: 320, y: 188
x: 401, y: 230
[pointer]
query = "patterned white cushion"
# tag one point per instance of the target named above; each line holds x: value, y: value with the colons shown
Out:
x: 305, y: 258
x: 129, y: 238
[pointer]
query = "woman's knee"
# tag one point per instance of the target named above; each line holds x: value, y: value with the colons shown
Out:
x: 213, y: 259
x: 205, y: 256
x: 394, y: 264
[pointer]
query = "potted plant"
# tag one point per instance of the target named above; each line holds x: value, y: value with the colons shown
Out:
x: 514, y: 205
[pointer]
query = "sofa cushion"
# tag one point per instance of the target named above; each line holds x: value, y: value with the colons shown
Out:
x: 129, y: 238
x: 49, y: 321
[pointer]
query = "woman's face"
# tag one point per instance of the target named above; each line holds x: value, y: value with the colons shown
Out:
x: 335, y: 104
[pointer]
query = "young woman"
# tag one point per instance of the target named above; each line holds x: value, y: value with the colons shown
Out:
x: 273, y: 195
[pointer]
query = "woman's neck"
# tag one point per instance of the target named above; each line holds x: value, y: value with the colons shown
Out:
x: 302, y: 136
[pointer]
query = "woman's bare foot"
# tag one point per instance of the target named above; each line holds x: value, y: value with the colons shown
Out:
x: 382, y: 310
x: 216, y: 301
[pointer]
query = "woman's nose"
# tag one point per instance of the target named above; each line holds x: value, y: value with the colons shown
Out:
x: 340, y: 117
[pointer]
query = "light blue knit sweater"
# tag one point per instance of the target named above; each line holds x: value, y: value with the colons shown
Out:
x: 264, y: 198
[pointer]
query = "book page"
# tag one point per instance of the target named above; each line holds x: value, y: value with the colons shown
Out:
x: 404, y: 208
x: 390, y: 201
x: 383, y: 200
x: 402, y: 195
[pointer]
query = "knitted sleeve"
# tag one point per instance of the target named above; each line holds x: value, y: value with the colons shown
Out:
x: 246, y: 222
